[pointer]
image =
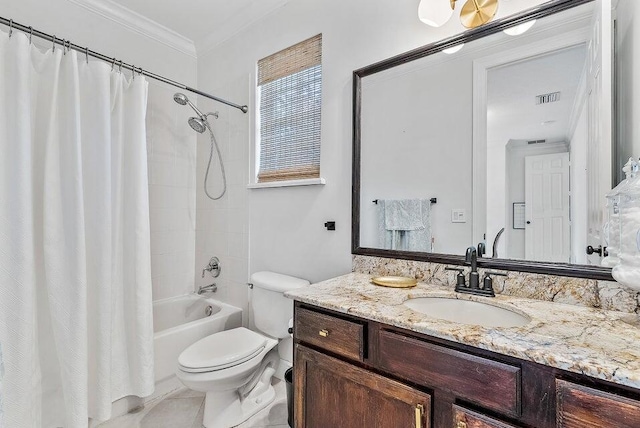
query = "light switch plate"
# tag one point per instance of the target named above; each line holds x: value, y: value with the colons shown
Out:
x: 458, y: 215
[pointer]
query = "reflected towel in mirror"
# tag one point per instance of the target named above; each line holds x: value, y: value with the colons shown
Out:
x: 404, y: 224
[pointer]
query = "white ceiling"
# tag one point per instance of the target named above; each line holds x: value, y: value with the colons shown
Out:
x: 512, y: 110
x: 205, y: 22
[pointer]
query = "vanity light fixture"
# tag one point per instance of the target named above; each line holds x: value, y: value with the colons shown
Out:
x: 435, y: 13
x: 474, y: 13
x: 453, y: 49
x: 520, y: 29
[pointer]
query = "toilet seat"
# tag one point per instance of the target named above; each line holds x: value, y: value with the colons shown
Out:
x: 222, y: 350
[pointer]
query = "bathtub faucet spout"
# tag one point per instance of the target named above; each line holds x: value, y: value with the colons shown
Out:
x: 211, y: 288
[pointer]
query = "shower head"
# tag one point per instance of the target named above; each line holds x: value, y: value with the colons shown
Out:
x: 198, y: 124
x: 183, y: 101
x: 180, y: 98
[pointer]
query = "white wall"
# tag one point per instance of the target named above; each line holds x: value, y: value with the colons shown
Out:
x: 171, y: 148
x: 628, y: 86
x: 222, y: 228
x: 496, y: 200
x: 286, y: 224
x: 579, y: 197
x: 170, y: 142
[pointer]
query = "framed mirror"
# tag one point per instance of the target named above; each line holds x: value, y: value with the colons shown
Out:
x: 502, y: 138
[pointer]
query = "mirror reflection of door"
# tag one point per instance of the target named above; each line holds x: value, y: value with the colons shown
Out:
x: 537, y: 122
x: 547, y: 234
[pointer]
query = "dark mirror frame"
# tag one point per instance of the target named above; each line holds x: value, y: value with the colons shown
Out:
x: 562, y: 269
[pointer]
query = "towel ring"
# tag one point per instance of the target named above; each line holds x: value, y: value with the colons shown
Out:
x: 10, y: 28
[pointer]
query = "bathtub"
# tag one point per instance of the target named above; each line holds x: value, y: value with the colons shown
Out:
x: 181, y: 321
x: 178, y: 322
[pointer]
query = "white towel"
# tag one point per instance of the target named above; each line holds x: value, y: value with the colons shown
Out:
x: 417, y: 239
x: 403, y: 214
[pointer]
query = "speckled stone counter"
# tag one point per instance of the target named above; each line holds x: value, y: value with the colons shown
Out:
x: 598, y: 343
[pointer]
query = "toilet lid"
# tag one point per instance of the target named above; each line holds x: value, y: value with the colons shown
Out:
x: 221, y: 350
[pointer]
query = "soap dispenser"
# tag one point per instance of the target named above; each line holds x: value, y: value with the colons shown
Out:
x: 611, y: 227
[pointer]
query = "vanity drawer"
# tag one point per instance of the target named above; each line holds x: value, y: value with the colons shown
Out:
x: 584, y: 407
x: 463, y: 418
x: 336, y: 335
x: 488, y: 383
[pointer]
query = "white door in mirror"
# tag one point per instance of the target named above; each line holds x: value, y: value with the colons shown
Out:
x: 547, y: 234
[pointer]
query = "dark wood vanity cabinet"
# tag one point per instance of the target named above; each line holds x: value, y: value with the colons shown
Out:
x: 352, y: 373
x: 464, y: 418
x: 583, y: 407
x: 348, y: 396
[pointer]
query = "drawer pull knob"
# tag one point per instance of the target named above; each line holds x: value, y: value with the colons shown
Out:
x: 323, y: 333
x: 419, y: 413
x: 461, y: 424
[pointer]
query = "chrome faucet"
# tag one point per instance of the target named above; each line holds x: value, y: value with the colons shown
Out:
x: 211, y: 288
x: 213, y: 267
x: 495, y: 243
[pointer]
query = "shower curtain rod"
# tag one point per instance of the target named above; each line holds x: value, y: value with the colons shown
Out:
x: 89, y: 53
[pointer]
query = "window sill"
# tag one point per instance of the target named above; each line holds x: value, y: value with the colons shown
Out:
x: 290, y: 183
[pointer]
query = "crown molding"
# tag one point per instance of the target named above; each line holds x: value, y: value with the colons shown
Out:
x: 231, y: 28
x: 140, y: 24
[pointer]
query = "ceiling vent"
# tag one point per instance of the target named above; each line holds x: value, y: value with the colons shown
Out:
x: 548, y: 98
x: 536, y: 141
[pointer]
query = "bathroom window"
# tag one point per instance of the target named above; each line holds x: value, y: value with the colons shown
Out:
x: 290, y: 100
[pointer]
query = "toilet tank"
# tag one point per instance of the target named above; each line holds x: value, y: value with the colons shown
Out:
x: 271, y: 310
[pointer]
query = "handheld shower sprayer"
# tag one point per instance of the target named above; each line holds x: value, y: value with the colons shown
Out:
x: 200, y: 124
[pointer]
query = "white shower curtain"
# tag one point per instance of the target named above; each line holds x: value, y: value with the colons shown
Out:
x: 75, y: 278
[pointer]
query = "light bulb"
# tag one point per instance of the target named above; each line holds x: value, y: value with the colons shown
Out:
x: 520, y: 29
x: 435, y: 13
x: 453, y: 49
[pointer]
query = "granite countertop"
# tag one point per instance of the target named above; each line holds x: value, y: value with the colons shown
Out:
x: 594, y: 342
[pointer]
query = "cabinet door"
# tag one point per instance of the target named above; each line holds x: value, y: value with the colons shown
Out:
x: 463, y: 418
x: 332, y: 393
x: 583, y: 407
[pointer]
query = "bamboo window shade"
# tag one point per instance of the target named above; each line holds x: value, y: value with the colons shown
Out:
x: 290, y: 90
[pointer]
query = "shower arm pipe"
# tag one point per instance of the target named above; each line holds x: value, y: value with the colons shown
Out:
x: 89, y: 53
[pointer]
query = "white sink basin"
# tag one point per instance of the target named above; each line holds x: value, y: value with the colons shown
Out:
x: 467, y: 312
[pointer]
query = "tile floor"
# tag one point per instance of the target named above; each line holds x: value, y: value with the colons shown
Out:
x: 184, y: 409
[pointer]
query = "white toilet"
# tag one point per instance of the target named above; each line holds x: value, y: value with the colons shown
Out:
x: 234, y: 367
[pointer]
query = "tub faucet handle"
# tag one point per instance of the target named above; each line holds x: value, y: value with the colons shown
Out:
x: 213, y: 267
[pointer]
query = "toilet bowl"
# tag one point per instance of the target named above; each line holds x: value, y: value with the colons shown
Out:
x: 234, y: 367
